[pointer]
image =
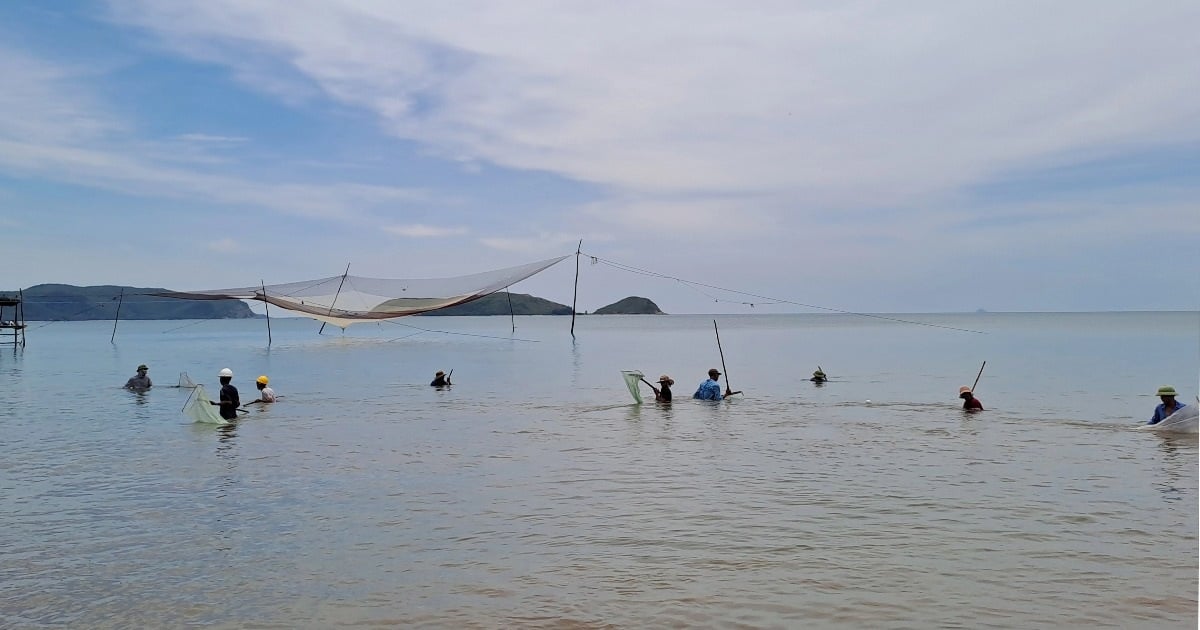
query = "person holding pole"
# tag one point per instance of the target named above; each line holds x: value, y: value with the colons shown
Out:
x: 967, y: 394
x: 711, y: 389
x: 970, y: 402
x: 663, y: 392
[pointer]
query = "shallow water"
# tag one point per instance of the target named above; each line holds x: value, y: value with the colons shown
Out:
x: 533, y: 493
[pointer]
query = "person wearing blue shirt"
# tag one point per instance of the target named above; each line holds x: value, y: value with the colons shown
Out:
x: 711, y: 389
x: 1167, y: 394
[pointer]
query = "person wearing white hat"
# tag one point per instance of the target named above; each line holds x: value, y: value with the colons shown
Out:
x: 1169, y: 405
x: 230, y: 401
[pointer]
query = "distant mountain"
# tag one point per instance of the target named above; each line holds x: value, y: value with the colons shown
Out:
x: 65, y: 302
x: 631, y: 305
x: 498, y: 304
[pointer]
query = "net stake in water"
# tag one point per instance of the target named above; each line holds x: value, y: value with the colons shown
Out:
x: 728, y: 390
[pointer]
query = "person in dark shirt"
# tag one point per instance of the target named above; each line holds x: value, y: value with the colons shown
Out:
x: 818, y: 376
x: 970, y: 402
x: 230, y: 401
x: 441, y: 379
x: 663, y: 392
x: 140, y: 381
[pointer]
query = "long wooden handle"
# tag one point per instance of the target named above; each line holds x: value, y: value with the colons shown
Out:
x: 977, y: 376
x: 728, y: 387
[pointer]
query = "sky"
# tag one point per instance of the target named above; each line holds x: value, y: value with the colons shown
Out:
x: 746, y: 157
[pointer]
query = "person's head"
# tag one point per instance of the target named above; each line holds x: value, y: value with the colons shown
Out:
x: 225, y: 376
x: 666, y: 381
x: 439, y: 374
x: 142, y: 369
x: 964, y: 392
x: 714, y: 374
x: 1167, y: 393
x: 261, y: 382
x: 818, y: 374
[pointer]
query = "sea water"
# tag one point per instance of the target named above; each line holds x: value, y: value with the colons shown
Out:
x: 534, y: 493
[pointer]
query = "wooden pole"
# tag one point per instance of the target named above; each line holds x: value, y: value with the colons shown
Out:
x: 511, y: 317
x: 267, y: 308
x: 977, y: 376
x: 335, y: 296
x: 728, y: 389
x: 120, y: 299
x: 576, y: 295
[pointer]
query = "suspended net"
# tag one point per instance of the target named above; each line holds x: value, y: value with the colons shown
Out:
x: 632, y: 381
x: 186, y: 381
x: 200, y: 408
x: 346, y: 299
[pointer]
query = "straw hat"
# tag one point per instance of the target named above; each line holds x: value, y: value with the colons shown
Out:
x: 1166, y: 390
x: 964, y: 390
x: 440, y: 373
x: 666, y: 379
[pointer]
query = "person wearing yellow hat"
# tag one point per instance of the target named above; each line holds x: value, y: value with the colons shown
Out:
x: 970, y: 402
x: 265, y: 393
x: 1169, y: 405
x: 440, y: 379
x: 140, y: 381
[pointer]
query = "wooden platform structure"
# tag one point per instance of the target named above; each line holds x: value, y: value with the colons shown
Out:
x: 12, y: 319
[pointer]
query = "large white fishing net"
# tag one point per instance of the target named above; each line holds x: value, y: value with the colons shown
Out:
x: 346, y: 299
x: 1182, y: 421
x: 199, y: 408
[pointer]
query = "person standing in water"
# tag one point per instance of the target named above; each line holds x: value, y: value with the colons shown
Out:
x: 265, y: 393
x: 818, y: 376
x: 1169, y: 405
x: 440, y: 379
x: 663, y: 392
x: 711, y: 389
x: 970, y: 402
x: 230, y: 401
x: 139, y: 381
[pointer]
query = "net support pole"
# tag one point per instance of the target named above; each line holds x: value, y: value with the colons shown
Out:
x: 335, y: 296
x: 120, y: 298
x: 511, y: 316
x: 575, y: 296
x: 267, y: 308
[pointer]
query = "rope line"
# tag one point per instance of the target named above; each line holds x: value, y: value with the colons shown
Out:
x: 763, y: 298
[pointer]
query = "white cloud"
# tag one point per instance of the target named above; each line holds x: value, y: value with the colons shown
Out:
x: 51, y: 127
x: 424, y: 231
x: 211, y: 139
x: 847, y: 103
x: 224, y: 246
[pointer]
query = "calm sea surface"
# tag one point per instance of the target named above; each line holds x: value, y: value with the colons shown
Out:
x: 533, y: 493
